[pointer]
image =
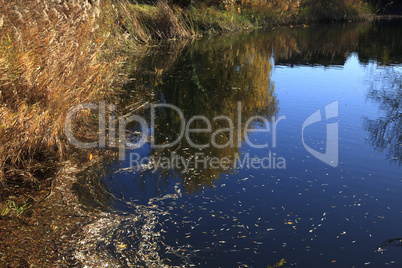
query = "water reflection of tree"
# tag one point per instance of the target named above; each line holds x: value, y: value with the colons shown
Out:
x: 316, y: 45
x: 382, y: 42
x: 386, y: 131
x: 324, y: 45
x: 394, y: 242
x: 210, y: 81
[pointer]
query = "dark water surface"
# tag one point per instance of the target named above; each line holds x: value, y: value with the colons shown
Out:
x: 301, y: 209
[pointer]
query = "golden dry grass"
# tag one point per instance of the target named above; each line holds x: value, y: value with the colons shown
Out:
x: 48, y: 63
x: 164, y: 21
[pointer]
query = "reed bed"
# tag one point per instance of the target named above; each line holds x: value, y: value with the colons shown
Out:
x: 49, y: 61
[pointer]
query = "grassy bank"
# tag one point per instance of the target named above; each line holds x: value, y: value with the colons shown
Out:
x: 234, y: 15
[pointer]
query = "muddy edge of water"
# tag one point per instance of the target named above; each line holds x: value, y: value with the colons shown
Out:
x: 48, y: 233
x: 60, y: 231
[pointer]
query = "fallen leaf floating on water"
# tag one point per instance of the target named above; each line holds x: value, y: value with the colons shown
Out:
x: 121, y: 246
x: 278, y: 264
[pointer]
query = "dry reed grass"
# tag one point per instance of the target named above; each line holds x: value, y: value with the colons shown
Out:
x: 132, y: 24
x: 48, y: 63
x: 122, y: 22
x: 165, y: 21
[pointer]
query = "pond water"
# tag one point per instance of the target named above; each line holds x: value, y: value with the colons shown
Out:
x: 314, y: 177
